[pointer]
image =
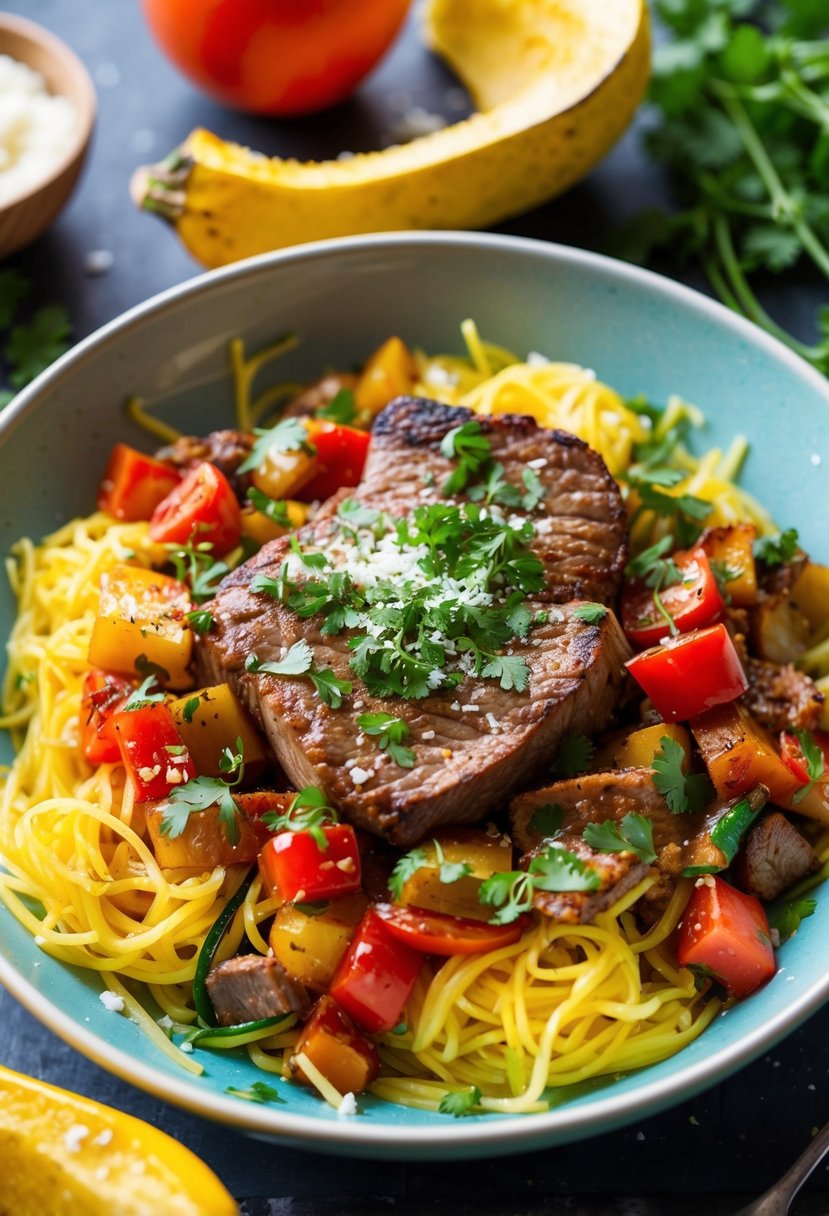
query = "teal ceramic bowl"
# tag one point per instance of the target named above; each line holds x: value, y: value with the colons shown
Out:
x: 642, y: 334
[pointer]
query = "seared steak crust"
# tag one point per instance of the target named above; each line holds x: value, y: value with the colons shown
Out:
x: 618, y: 873
x: 476, y: 743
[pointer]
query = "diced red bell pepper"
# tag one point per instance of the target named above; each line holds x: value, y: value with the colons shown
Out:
x: 202, y: 508
x: 791, y: 751
x: 341, y: 457
x: 134, y: 484
x: 439, y: 933
x: 376, y: 976
x: 154, y: 756
x: 687, y: 675
x: 294, y: 867
x: 104, y: 693
x: 726, y: 931
x: 333, y: 1044
x: 692, y: 603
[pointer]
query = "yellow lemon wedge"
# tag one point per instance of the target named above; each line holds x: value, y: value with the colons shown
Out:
x: 64, y: 1155
x: 555, y: 83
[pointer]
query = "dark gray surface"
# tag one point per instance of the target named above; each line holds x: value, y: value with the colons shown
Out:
x: 702, y: 1156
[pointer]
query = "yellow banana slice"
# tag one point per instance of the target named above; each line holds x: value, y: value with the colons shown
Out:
x: 555, y: 83
x: 64, y: 1155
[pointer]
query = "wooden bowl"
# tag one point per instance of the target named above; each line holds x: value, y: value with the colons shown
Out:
x: 27, y: 215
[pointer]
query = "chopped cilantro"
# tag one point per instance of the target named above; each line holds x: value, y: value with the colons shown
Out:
x: 460, y: 1102
x: 786, y: 917
x: 145, y: 667
x: 340, y: 409
x: 195, y: 566
x: 405, y: 867
x: 296, y: 661
x: 683, y: 792
x: 203, y: 794
x: 547, y: 819
x: 200, y: 621
x: 309, y: 811
x: 276, y: 510
x: 391, y: 734
x: 258, y: 1091
x: 590, y: 613
x: 190, y: 707
x: 632, y: 834
x: 573, y: 756
x: 470, y: 447
x: 554, y: 869
x: 813, y: 760
x: 775, y: 550
x: 147, y: 693
x: 289, y: 435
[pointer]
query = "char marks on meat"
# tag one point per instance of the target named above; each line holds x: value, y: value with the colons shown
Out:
x: 250, y: 987
x: 476, y: 743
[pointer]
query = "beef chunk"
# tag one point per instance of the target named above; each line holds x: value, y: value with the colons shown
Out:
x: 775, y: 856
x: 251, y: 987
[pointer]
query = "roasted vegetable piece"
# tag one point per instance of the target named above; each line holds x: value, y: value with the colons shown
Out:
x: 104, y: 693
x: 211, y: 720
x: 739, y: 753
x: 294, y: 867
x: 282, y: 474
x: 484, y: 854
x: 811, y: 595
x: 331, y: 1041
x: 154, y: 756
x: 779, y: 629
x: 727, y: 932
x: 310, y: 943
x: 341, y: 455
x: 134, y: 484
x: 793, y: 756
x: 730, y: 550
x: 202, y: 508
x: 691, y: 603
x: 390, y: 372
x: 142, y: 613
x: 637, y: 748
x: 204, y: 842
x: 376, y: 976
x: 437, y: 933
x: 259, y: 527
x: 691, y: 673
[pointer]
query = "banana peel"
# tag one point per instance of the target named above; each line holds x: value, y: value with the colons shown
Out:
x: 555, y: 83
x: 68, y: 1155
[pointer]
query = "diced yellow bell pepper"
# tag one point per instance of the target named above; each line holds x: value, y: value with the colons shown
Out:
x: 142, y: 613
x: 260, y: 528
x: 779, y: 629
x: 732, y: 547
x: 204, y: 843
x: 390, y: 372
x: 811, y: 595
x: 309, y: 946
x: 637, y: 748
x: 484, y: 854
x: 212, y: 719
x: 739, y: 753
x: 282, y: 474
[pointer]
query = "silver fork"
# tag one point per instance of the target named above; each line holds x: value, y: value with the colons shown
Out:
x: 776, y: 1201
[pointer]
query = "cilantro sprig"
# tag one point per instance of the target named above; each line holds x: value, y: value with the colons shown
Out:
x: 777, y: 549
x: 288, y: 435
x: 554, y: 869
x: 417, y: 859
x: 309, y: 811
x: 657, y: 571
x: 258, y: 1091
x: 467, y: 445
x: 683, y: 792
x: 813, y: 761
x: 298, y: 660
x: 275, y: 509
x: 204, y: 793
x: 391, y: 734
x: 341, y: 409
x: 148, y: 692
x: 197, y: 568
x: 460, y: 1102
x: 632, y: 834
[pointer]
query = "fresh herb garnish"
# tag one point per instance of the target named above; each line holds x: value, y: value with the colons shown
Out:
x: 657, y: 572
x: 786, y: 917
x: 573, y: 756
x: 289, y: 435
x: 685, y: 510
x: 205, y: 793
x: 547, y: 819
x: 468, y: 445
x: 195, y: 566
x: 417, y: 859
x: 275, y: 509
x: 813, y: 761
x: 190, y: 707
x: 146, y: 668
x: 258, y: 1091
x: 555, y: 869
x: 309, y: 811
x: 460, y: 1102
x: 683, y: 792
x: 200, y: 620
x: 632, y: 834
x: 340, y: 409
x: 147, y: 693
x: 391, y: 734
x: 723, y: 575
x: 780, y: 548
x: 298, y: 661
x: 591, y: 614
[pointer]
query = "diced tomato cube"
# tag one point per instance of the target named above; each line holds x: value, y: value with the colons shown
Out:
x: 154, y: 756
x: 294, y: 866
x: 134, y: 484
x: 376, y: 976
x: 726, y: 931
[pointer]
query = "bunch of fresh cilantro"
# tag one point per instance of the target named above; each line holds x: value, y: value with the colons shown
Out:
x: 27, y: 346
x: 740, y: 97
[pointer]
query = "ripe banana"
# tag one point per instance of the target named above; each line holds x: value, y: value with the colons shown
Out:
x: 555, y: 83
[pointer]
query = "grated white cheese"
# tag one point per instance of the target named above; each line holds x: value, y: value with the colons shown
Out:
x: 536, y: 359
x: 104, y: 1137
x: 427, y: 735
x: 359, y: 776
x: 111, y: 1001
x: 74, y: 1136
x: 36, y: 128
x: 348, y: 1106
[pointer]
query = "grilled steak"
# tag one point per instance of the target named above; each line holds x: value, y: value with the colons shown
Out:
x: 475, y: 743
x: 617, y: 872
x: 251, y: 987
x: 781, y: 697
x: 774, y: 858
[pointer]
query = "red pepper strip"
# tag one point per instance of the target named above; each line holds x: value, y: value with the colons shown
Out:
x: 376, y: 976
x: 134, y: 484
x: 154, y: 756
x: 726, y: 931
x: 438, y: 933
x: 294, y: 867
x: 689, y: 674
x: 104, y: 693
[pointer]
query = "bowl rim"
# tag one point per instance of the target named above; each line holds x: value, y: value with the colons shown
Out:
x: 456, y: 1138
x: 84, y: 99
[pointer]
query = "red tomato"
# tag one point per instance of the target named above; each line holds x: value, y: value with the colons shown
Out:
x: 341, y: 456
x: 275, y: 56
x: 689, y: 674
x: 103, y: 695
x: 694, y: 602
x: 727, y: 931
x: 791, y: 752
x: 294, y: 866
x: 134, y: 484
x: 437, y: 933
x: 202, y: 508
x: 154, y: 756
x: 376, y: 976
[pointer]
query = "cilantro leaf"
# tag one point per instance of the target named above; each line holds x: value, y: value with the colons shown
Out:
x: 330, y: 689
x: 258, y: 1091
x: 356, y: 514
x: 450, y: 871
x: 289, y: 435
x: 547, y: 819
x: 775, y: 550
x: 813, y: 760
x: 632, y: 834
x: 470, y: 447
x: 203, y: 794
x: 590, y: 613
x: 573, y: 756
x: 32, y: 348
x: 200, y: 621
x: 405, y: 867
x: 554, y: 869
x: 195, y: 566
x: 391, y: 733
x: 460, y: 1102
x: 296, y: 661
x: 146, y: 668
x: 340, y: 409
x: 148, y: 692
x: 309, y: 811
x: 786, y: 917
x: 275, y: 509
x: 190, y: 707
x: 683, y: 792
x: 512, y: 672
